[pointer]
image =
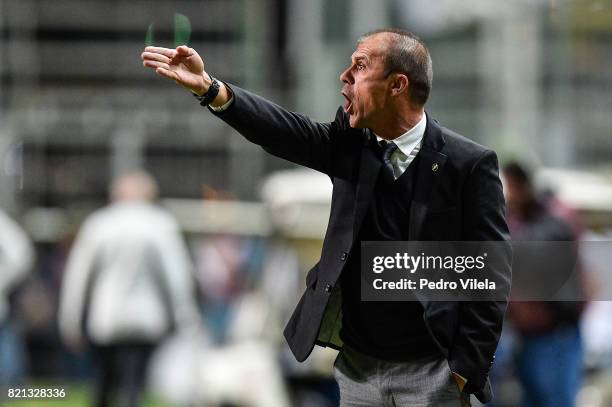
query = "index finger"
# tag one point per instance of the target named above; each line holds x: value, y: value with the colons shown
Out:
x: 170, y: 53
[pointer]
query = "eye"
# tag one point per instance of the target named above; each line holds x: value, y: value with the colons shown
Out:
x: 360, y: 66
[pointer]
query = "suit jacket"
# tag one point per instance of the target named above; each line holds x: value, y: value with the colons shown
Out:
x: 461, y: 200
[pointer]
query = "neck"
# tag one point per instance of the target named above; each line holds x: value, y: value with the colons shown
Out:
x: 399, y: 123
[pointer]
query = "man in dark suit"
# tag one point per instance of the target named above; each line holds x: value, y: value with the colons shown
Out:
x: 397, y: 175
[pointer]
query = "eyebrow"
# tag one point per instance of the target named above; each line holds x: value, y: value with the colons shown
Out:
x: 359, y: 58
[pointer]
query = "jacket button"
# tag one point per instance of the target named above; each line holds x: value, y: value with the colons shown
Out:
x: 343, y: 256
x: 328, y: 288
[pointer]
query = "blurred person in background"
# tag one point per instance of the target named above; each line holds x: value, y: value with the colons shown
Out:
x: 16, y: 259
x: 549, y: 349
x: 402, y: 353
x: 128, y: 284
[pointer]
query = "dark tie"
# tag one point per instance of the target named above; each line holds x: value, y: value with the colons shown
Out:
x: 388, y: 148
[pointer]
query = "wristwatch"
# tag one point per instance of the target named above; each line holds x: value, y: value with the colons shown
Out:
x: 211, y: 94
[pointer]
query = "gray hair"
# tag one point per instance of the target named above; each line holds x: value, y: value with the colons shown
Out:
x: 408, y: 55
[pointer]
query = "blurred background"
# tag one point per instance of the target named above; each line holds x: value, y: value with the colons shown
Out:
x: 530, y: 79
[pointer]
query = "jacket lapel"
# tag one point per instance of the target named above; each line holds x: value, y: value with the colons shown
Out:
x: 369, y: 167
x: 431, y: 168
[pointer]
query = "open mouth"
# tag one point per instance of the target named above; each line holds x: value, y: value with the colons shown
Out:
x: 348, y: 104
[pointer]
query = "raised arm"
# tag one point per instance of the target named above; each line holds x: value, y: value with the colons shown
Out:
x: 285, y: 134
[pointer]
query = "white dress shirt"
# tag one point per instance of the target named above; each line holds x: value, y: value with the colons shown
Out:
x: 408, y: 146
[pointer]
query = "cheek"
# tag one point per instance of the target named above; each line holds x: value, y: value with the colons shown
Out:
x: 378, y: 98
x: 364, y: 99
x: 370, y: 97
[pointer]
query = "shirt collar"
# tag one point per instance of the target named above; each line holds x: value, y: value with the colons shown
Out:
x: 412, y: 138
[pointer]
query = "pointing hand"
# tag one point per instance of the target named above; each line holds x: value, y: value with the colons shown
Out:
x: 182, y: 64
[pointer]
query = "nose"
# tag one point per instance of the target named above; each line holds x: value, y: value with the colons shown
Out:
x: 346, y: 76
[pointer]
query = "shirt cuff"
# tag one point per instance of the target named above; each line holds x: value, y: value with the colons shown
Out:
x: 224, y: 106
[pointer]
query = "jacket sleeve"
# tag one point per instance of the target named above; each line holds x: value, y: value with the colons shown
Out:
x: 178, y: 277
x: 480, y: 322
x: 285, y: 134
x: 77, y: 274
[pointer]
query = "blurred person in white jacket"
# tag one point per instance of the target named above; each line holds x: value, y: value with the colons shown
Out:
x: 16, y: 258
x: 127, y: 284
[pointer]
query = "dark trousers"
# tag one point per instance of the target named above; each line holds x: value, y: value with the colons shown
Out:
x: 122, y: 373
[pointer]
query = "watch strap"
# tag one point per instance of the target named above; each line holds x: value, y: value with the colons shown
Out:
x: 211, y: 94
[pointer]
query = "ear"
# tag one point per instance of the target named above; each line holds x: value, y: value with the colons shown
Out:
x: 399, y: 84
